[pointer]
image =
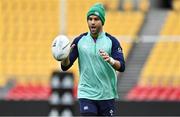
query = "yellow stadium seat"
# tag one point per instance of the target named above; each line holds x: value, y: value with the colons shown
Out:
x: 165, y: 63
x: 176, y: 5
x: 144, y: 5
x: 112, y: 5
x: 128, y: 5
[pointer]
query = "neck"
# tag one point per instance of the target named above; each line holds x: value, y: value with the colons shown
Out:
x: 95, y: 36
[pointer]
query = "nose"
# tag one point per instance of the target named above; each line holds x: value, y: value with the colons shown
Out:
x: 93, y: 22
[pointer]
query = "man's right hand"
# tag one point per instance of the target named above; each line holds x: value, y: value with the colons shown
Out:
x: 66, y: 61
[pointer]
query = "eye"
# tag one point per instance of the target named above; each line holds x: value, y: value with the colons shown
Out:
x: 90, y: 19
x: 96, y: 19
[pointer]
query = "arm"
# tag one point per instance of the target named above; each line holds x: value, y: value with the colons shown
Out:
x: 68, y: 62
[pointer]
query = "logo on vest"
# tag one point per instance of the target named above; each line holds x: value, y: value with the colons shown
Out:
x: 86, y: 107
x: 111, y: 112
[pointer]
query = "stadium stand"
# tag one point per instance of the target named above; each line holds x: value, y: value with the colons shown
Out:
x: 124, y: 23
x: 112, y: 5
x: 172, y: 19
x: 160, y: 77
x: 125, y: 26
x: 176, y: 5
x: 29, y: 92
x: 28, y: 28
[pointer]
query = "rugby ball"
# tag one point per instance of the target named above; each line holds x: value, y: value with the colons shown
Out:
x: 60, y: 47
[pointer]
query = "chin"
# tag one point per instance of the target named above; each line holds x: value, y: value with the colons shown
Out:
x: 94, y: 33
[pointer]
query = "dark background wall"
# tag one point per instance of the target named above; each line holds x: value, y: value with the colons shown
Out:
x: 161, y: 3
x: 42, y: 108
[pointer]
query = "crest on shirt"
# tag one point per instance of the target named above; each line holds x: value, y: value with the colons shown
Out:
x: 119, y: 50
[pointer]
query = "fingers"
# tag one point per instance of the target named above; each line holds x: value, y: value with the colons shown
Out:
x: 72, y: 46
x: 104, y: 55
x: 100, y: 50
x: 106, y: 58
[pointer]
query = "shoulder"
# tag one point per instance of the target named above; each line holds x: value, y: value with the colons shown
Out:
x: 76, y: 39
x: 112, y: 38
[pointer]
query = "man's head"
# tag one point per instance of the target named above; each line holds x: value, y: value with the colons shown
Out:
x: 96, y: 18
x: 97, y: 10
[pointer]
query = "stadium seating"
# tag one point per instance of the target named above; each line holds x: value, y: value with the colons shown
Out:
x: 125, y: 26
x: 158, y: 93
x: 165, y: 68
x: 124, y: 23
x: 144, y: 5
x: 25, y: 43
x: 176, y: 5
x: 28, y: 28
x: 169, y: 28
x: 128, y: 5
x: 111, y: 5
x: 160, y: 76
x: 29, y: 92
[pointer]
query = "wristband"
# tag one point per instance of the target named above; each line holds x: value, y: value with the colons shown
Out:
x: 111, y: 61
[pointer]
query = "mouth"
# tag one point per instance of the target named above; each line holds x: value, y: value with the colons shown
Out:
x: 93, y: 28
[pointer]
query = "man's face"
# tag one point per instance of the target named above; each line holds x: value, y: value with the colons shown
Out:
x: 94, y: 24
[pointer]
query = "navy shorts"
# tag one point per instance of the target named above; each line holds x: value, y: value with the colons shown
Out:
x: 97, y: 107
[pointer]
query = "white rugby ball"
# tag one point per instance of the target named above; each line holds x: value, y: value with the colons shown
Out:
x: 60, y: 47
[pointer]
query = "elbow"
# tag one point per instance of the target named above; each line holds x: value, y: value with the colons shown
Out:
x: 64, y: 68
x: 122, y: 68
